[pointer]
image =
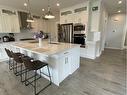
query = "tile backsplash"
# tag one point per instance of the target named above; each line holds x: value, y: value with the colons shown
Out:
x: 19, y: 36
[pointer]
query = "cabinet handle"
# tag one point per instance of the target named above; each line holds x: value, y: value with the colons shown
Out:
x: 66, y: 60
x: 66, y: 52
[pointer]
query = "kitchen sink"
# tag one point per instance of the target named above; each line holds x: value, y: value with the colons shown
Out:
x: 33, y: 42
x: 55, y: 43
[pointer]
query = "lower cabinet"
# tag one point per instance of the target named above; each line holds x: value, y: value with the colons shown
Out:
x: 69, y: 62
x: 64, y: 66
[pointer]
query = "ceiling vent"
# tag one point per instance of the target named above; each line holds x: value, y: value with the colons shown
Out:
x: 80, y: 9
x: 66, y: 13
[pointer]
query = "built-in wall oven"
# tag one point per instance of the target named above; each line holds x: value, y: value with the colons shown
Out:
x: 79, y: 39
x: 79, y: 34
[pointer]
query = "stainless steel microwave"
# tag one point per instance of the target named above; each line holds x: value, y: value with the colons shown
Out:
x: 80, y: 27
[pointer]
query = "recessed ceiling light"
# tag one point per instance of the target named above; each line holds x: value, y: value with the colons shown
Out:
x: 43, y: 9
x: 57, y: 4
x: 119, y: 11
x: 25, y: 4
x: 120, y: 2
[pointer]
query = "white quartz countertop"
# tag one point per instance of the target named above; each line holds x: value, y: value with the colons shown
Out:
x: 46, y: 49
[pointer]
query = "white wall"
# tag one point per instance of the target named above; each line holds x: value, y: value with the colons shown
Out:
x: 103, y: 26
x: 116, y: 30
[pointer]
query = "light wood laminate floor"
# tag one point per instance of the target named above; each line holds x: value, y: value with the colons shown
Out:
x: 103, y: 76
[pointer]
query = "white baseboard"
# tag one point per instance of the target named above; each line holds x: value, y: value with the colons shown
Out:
x: 113, y: 48
x: 86, y: 56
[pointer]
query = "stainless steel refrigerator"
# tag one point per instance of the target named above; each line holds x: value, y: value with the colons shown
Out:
x: 65, y: 33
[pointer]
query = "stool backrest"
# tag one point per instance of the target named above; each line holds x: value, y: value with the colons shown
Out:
x: 27, y: 62
x: 8, y: 53
x: 16, y: 57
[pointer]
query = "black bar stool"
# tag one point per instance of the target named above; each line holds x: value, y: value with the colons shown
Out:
x: 18, y: 63
x: 34, y: 65
x: 11, y: 61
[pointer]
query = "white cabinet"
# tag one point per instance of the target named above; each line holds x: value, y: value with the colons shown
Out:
x: 81, y: 17
x: 15, y: 28
x: 6, y: 23
x: 66, y: 19
x: 0, y: 23
x: 9, y: 22
x: 64, y: 67
x: 74, y: 59
x: 68, y: 62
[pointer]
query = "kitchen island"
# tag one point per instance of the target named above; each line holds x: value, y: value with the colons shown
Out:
x: 63, y: 58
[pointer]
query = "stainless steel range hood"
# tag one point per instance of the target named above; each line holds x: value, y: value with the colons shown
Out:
x: 22, y: 19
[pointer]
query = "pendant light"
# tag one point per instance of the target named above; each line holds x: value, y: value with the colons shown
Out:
x: 30, y: 17
x: 49, y: 14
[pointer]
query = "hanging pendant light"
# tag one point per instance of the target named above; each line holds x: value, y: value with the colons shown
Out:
x: 49, y: 14
x: 30, y: 17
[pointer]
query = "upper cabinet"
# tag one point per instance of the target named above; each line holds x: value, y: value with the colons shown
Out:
x: 9, y: 22
x: 75, y: 14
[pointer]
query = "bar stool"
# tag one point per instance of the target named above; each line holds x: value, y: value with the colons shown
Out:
x: 19, y: 64
x: 11, y: 61
x: 34, y: 65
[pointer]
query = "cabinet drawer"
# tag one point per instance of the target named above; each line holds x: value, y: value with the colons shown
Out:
x: 65, y: 53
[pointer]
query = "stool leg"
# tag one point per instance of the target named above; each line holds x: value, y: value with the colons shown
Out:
x: 35, y: 82
x: 16, y: 69
x: 49, y: 74
x: 26, y: 78
x: 21, y: 73
x: 9, y: 64
x: 13, y: 66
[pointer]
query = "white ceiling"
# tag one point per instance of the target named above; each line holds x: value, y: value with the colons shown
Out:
x: 113, y: 6
x: 37, y: 5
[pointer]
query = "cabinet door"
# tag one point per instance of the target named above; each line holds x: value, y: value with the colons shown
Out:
x: 15, y: 28
x: 64, y: 67
x: 75, y: 59
x: 0, y: 24
x: 6, y: 23
x: 63, y: 20
x: 10, y: 23
x: 66, y: 19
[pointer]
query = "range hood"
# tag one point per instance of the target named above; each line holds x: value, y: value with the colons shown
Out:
x: 22, y: 19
